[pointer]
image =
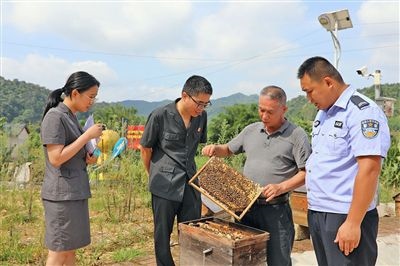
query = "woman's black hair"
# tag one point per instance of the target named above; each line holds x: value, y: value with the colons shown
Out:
x: 81, y: 81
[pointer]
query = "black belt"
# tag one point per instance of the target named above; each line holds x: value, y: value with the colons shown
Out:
x: 277, y: 200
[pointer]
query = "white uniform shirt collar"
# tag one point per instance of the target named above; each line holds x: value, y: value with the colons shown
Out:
x: 343, y: 100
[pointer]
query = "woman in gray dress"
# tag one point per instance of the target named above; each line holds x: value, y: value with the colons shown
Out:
x: 65, y: 189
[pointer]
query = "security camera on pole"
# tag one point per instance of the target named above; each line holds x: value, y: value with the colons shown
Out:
x: 363, y: 71
x: 386, y: 103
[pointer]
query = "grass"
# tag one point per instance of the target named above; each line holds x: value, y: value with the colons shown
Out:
x: 120, y: 216
x: 126, y: 254
x: 386, y: 193
x: 114, y: 239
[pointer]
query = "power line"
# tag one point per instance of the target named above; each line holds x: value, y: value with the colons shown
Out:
x: 222, y: 65
x: 170, y: 57
x: 114, y: 54
x: 272, y: 57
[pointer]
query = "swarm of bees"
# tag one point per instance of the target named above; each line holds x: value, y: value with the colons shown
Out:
x: 227, y: 185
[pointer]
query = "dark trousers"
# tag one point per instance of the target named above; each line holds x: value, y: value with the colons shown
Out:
x: 277, y: 220
x: 323, y: 229
x: 164, y: 212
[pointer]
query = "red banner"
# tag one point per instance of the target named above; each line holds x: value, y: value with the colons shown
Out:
x: 134, y: 134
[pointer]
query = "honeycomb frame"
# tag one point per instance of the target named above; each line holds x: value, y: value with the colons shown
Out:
x: 226, y: 187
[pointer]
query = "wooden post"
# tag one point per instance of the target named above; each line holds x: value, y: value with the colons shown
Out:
x: 397, y: 204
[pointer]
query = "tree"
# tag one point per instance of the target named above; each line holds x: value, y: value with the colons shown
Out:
x: 230, y: 122
x: 300, y: 108
x: 117, y: 117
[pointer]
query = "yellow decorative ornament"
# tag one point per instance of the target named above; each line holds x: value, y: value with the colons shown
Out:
x: 106, y: 144
x: 107, y: 140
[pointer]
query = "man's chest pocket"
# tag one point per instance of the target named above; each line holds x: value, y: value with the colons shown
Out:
x: 333, y: 141
x: 338, y: 141
x: 173, y: 140
x: 173, y: 136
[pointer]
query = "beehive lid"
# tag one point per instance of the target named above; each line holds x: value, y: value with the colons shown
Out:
x: 225, y: 186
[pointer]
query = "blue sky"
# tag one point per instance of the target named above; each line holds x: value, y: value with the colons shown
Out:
x: 145, y: 50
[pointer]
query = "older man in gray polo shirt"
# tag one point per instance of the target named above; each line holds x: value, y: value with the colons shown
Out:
x: 276, y: 153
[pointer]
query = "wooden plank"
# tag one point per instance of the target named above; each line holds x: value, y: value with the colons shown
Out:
x: 254, y: 254
x: 193, y: 252
x: 199, y: 247
x: 224, y: 226
x: 299, y: 205
x: 204, y: 235
x: 300, y: 218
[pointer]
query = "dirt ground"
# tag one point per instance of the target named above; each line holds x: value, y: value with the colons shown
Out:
x: 387, y: 226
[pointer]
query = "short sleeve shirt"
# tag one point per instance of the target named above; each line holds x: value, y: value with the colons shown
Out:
x: 271, y: 159
x: 354, y: 126
x: 173, y: 149
x: 69, y: 181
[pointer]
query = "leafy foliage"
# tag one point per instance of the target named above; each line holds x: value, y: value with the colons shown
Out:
x: 229, y: 123
x: 390, y: 175
x: 117, y: 117
x: 5, y: 155
x: 21, y: 101
x: 300, y: 109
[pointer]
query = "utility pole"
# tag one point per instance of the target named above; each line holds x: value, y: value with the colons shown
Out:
x: 377, y: 83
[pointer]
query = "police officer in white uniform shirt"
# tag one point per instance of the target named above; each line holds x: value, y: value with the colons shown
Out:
x: 350, y: 138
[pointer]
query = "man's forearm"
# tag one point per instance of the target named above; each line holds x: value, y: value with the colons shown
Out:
x: 145, y: 154
x: 222, y: 150
x: 294, y: 182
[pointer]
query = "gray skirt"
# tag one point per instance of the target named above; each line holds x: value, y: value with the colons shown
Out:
x: 67, y: 224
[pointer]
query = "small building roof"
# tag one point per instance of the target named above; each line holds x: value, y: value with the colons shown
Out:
x: 15, y: 129
x: 397, y: 197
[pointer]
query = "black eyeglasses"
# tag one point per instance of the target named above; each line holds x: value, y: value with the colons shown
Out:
x: 91, y: 99
x: 199, y: 104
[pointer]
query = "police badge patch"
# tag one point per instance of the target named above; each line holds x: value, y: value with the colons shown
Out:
x: 369, y: 128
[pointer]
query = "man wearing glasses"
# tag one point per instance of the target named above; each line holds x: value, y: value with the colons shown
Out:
x: 168, y: 147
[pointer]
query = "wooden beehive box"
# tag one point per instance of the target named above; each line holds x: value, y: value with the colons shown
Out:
x: 299, y: 204
x: 225, y: 186
x: 213, y: 241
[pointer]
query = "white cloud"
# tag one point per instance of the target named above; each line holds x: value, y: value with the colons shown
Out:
x: 238, y: 31
x: 52, y: 72
x: 281, y: 34
x: 381, y: 28
x: 379, y: 17
x: 113, y: 26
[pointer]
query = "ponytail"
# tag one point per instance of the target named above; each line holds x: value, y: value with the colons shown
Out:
x: 53, y: 100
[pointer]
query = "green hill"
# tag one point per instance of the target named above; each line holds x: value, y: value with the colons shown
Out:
x: 21, y: 101
x: 24, y: 102
x: 144, y: 108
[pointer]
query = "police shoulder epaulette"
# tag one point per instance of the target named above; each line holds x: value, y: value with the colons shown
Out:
x: 358, y: 101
